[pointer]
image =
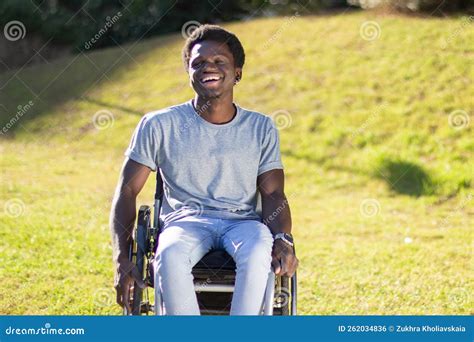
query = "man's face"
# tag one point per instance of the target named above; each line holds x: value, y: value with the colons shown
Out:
x: 211, y: 69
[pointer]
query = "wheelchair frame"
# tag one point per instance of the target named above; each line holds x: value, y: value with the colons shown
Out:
x: 280, y: 293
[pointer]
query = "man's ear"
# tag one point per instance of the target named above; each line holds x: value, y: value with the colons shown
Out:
x: 238, y: 75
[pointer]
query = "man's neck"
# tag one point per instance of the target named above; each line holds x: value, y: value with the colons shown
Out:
x: 215, y: 110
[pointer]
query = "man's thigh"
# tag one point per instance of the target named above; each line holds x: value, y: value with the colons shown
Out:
x: 248, y: 238
x: 185, y: 241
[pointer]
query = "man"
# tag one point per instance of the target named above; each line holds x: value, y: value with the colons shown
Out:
x: 213, y: 157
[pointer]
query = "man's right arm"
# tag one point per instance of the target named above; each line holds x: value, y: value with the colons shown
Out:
x: 122, y: 220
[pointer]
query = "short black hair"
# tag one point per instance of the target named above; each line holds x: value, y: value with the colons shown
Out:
x: 217, y: 34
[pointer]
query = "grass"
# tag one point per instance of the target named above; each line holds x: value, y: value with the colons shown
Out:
x: 379, y: 181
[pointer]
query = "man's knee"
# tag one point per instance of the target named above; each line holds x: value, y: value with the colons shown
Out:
x: 256, y: 250
x: 172, y: 258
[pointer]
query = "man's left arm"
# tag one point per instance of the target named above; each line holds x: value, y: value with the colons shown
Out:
x: 276, y: 215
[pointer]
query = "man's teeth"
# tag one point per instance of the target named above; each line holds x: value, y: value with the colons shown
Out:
x: 211, y: 78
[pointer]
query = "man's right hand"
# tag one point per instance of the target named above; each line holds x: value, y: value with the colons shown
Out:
x: 126, y: 273
x: 122, y: 219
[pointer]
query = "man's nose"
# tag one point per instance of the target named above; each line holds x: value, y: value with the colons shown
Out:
x: 209, y: 67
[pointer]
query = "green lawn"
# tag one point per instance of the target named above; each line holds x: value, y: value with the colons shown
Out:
x: 379, y: 165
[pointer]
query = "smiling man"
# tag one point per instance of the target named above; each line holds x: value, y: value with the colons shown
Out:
x: 214, y: 157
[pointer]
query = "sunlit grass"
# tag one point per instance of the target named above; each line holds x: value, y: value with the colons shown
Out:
x: 379, y: 182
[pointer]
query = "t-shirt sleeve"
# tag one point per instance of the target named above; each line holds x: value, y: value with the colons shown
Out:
x: 144, y: 145
x: 270, y: 157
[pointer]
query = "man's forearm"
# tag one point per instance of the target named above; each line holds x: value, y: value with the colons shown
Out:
x: 122, y: 219
x: 276, y: 212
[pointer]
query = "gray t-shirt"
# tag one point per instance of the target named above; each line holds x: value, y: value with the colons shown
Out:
x: 206, y: 168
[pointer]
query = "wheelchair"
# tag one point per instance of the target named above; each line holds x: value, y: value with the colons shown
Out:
x: 214, y: 275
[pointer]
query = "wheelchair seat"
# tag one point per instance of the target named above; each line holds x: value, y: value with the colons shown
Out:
x: 215, y: 266
x: 216, y: 259
x: 216, y: 269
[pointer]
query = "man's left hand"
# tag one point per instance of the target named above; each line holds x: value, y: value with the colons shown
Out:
x: 284, y: 261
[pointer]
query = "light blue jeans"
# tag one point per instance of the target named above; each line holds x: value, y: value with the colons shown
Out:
x: 184, y: 242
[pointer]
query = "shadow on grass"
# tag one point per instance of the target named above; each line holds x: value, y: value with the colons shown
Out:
x: 405, y: 177
x: 111, y: 105
x: 31, y: 92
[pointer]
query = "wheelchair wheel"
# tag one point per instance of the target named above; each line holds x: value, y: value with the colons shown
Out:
x: 139, y: 253
x: 285, y: 296
x: 282, y: 297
